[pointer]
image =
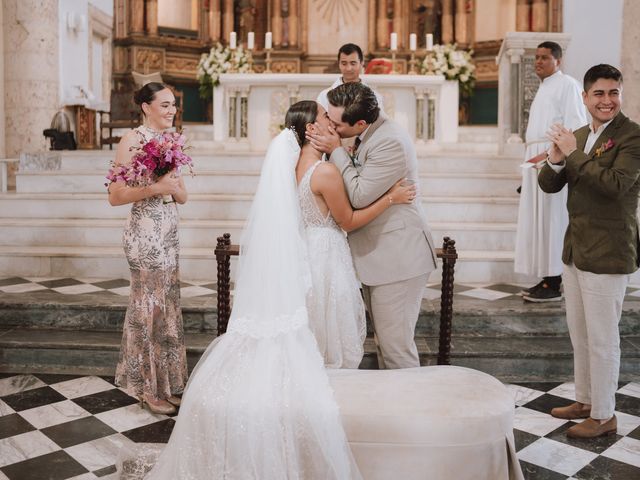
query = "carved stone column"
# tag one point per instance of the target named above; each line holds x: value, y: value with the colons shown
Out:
x: 630, y: 60
x: 539, y: 16
x: 227, y: 20
x: 523, y: 11
x: 136, y: 17
x: 151, y: 16
x: 447, y: 21
x: 276, y: 23
x: 293, y: 23
x: 383, y: 26
x: 215, y: 18
x: 244, y: 113
x: 462, y: 36
x: 31, y: 74
x: 233, y: 113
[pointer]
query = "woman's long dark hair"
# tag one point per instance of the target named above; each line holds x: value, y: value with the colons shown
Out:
x: 298, y: 116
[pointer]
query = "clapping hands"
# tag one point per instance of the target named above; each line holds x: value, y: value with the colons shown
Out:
x: 564, y: 143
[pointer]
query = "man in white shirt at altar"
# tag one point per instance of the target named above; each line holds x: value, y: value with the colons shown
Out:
x: 351, y: 64
x: 542, y: 217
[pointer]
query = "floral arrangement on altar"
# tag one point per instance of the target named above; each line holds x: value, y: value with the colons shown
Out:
x: 156, y: 158
x: 220, y: 59
x: 454, y: 64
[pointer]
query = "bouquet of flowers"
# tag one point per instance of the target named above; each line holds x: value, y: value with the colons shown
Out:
x: 219, y: 60
x: 156, y: 158
x: 454, y: 64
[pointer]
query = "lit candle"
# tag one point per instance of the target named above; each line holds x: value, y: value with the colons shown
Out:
x: 413, y: 42
x: 232, y: 40
x: 394, y: 41
x: 429, y: 42
x: 267, y: 41
x: 250, y: 40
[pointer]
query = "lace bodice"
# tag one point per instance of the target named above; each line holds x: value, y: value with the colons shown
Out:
x: 311, y: 214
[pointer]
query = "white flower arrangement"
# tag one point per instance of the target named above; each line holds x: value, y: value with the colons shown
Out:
x: 220, y: 59
x: 454, y: 64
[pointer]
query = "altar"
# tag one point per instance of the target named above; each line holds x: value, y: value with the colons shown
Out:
x: 249, y: 109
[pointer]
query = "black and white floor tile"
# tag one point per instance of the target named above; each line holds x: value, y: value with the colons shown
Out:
x: 66, y: 427
x: 77, y: 286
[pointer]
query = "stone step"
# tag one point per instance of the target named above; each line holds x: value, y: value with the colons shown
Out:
x: 524, y: 359
x: 478, y: 133
x: 203, y: 233
x: 452, y: 184
x: 494, y: 209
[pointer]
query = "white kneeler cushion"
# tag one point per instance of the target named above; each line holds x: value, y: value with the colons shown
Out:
x: 428, y: 423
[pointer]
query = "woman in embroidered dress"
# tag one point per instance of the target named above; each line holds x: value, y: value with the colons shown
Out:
x: 152, y: 364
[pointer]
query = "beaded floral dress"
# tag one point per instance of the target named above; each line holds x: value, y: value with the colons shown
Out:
x: 336, y: 309
x: 153, y: 358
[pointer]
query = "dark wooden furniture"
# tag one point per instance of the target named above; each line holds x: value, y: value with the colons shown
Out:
x: 225, y: 250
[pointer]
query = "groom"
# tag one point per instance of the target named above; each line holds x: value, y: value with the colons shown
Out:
x: 394, y: 254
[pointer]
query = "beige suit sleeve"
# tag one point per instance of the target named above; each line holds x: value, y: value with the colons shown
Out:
x: 384, y: 163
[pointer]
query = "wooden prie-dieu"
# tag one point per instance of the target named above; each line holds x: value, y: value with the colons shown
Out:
x: 225, y: 250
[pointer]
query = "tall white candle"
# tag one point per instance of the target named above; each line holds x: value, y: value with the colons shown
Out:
x: 429, y: 42
x: 394, y: 41
x: 413, y: 42
x: 267, y: 40
x: 232, y: 40
x: 250, y: 40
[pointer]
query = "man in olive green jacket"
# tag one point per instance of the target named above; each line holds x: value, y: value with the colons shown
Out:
x: 601, y: 165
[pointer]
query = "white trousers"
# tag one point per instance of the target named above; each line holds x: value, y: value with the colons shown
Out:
x: 394, y: 310
x: 594, y: 306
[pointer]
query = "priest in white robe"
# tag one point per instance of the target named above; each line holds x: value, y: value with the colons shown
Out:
x: 542, y: 217
x: 351, y: 64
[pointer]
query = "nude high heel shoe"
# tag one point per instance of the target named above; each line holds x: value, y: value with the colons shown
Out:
x: 175, y: 401
x: 161, y: 407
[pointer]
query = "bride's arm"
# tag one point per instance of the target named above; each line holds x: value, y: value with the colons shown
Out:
x: 327, y: 181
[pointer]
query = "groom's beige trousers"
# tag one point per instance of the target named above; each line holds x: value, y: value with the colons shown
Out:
x: 594, y: 305
x: 394, y: 310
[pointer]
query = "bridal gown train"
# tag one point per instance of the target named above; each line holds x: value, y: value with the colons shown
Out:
x: 259, y: 405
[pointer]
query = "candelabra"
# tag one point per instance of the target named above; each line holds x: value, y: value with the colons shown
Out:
x: 412, y: 64
x: 267, y: 68
x: 234, y: 66
x: 250, y: 60
x: 428, y: 61
x: 394, y: 71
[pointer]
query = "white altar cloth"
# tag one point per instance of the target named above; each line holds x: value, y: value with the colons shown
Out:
x: 436, y: 423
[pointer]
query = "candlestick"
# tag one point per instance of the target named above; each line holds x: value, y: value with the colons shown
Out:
x: 413, y: 42
x: 394, y: 41
x: 412, y: 64
x: 232, y: 40
x: 267, y: 41
x: 250, y: 41
x: 429, y: 42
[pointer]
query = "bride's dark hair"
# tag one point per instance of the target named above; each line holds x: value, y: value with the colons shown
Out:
x: 298, y: 116
x: 147, y: 93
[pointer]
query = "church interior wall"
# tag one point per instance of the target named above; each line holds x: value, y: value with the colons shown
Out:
x: 596, y: 34
x: 2, y: 129
x: 630, y: 59
x: 494, y: 18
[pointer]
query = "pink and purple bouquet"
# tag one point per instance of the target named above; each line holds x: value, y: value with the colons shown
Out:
x: 157, y: 157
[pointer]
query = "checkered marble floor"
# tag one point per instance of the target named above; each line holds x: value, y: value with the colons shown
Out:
x: 189, y: 289
x: 72, y: 427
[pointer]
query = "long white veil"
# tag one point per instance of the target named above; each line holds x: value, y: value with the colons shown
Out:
x: 258, y: 405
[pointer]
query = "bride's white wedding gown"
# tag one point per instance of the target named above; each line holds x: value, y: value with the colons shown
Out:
x: 336, y: 309
x: 259, y: 405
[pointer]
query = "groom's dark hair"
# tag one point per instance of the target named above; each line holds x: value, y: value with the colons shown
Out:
x: 358, y: 100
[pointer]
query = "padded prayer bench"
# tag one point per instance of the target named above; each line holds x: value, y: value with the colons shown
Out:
x: 225, y: 250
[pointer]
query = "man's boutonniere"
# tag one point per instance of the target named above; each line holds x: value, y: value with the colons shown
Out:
x: 353, y: 155
x: 608, y: 145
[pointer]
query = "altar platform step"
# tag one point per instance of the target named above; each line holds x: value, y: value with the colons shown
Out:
x: 440, y: 183
x: 98, y: 232
x: 43, y: 331
x: 235, y: 206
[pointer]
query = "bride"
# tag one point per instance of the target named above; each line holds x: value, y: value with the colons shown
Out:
x: 258, y: 405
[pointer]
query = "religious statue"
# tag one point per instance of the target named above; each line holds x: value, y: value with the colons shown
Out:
x: 428, y: 18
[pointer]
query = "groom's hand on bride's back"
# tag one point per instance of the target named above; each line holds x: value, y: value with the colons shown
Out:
x: 324, y: 139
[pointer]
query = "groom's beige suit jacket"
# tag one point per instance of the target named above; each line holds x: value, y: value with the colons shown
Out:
x: 397, y: 245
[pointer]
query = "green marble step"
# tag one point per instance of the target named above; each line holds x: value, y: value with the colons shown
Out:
x: 522, y: 358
